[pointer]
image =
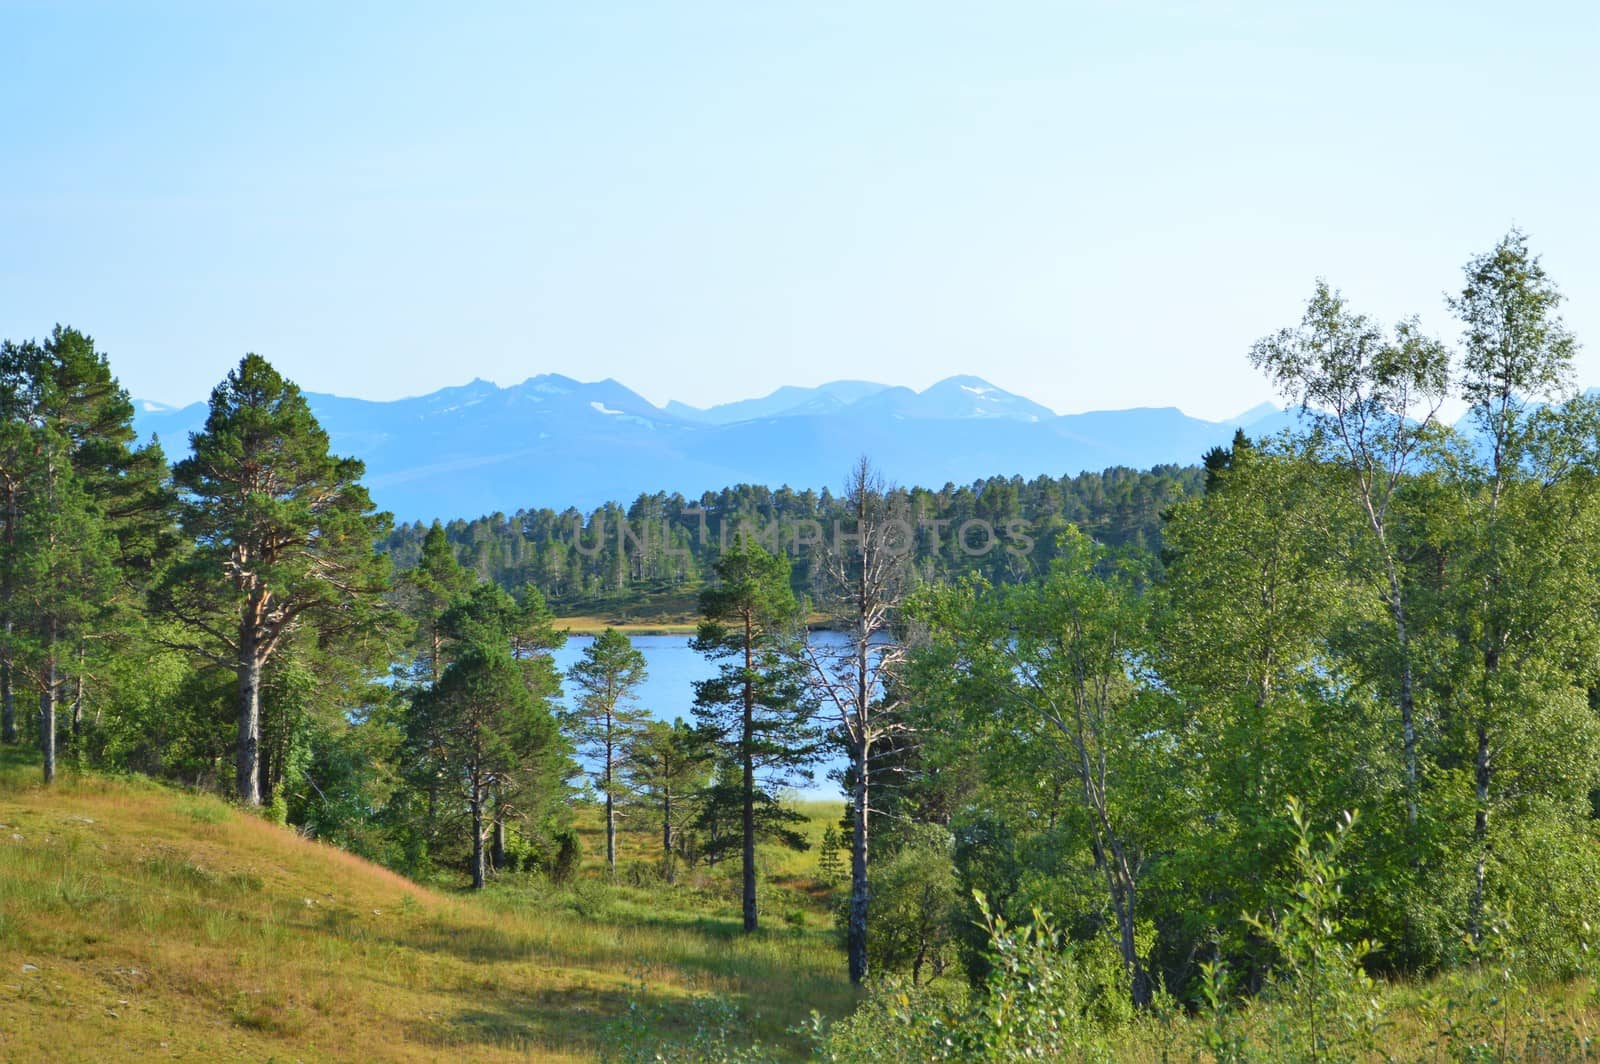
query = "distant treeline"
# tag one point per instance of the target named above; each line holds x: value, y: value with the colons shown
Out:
x: 1005, y: 528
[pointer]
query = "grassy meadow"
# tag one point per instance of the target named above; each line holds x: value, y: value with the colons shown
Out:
x: 139, y: 921
x: 142, y: 922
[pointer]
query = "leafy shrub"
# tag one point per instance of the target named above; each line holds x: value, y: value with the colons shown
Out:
x: 713, y: 1033
x: 1041, y: 1001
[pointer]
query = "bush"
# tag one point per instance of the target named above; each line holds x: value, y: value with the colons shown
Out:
x: 555, y: 857
x: 1329, y: 1005
x: 914, y: 905
x: 1041, y: 1001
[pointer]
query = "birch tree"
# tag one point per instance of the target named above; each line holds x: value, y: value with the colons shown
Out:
x: 1516, y: 353
x: 1369, y: 401
x: 1058, y: 662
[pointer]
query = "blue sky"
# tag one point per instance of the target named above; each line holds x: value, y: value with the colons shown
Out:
x: 1097, y: 205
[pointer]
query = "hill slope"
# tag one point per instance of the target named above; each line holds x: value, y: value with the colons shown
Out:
x: 140, y: 922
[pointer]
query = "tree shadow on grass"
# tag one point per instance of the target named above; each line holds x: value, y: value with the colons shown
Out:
x: 584, y: 1020
x: 571, y: 1019
x: 715, y: 935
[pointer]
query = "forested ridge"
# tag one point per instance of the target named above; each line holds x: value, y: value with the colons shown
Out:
x: 628, y: 559
x: 1291, y: 755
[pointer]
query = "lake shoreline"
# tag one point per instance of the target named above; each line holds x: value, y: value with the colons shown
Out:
x: 588, y: 624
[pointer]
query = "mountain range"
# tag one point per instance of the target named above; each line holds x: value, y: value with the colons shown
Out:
x: 552, y: 441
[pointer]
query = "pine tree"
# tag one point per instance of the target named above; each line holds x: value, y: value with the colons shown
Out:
x: 669, y: 767
x: 429, y: 589
x: 283, y: 533
x: 829, y: 866
x: 59, y: 569
x: 755, y: 709
x: 604, y: 721
x: 426, y: 592
x: 64, y: 386
x: 490, y: 723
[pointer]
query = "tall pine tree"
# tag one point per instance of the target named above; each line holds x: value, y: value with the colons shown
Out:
x: 604, y: 720
x: 283, y: 533
x: 72, y: 481
x: 755, y: 708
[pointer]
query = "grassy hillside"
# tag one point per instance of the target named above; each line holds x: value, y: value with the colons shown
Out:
x: 141, y: 922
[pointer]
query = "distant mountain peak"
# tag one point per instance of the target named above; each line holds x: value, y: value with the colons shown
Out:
x: 554, y: 441
x: 966, y: 380
x: 1259, y: 412
x: 787, y: 401
x: 963, y: 396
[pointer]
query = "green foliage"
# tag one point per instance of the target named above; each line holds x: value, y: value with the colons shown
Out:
x: 579, y: 563
x: 830, y: 862
x: 1044, y: 999
x: 1329, y: 1005
x: 1039, y: 679
x: 712, y: 1026
x: 755, y: 712
x: 914, y: 896
x: 669, y: 769
x: 482, y: 747
x: 283, y: 534
x: 84, y: 519
x: 1369, y: 611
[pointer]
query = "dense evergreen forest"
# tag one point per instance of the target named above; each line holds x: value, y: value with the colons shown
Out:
x: 1303, y: 726
x: 627, y: 559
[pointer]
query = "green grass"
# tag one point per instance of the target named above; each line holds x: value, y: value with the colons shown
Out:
x: 167, y: 923
x: 674, y: 611
x: 139, y: 921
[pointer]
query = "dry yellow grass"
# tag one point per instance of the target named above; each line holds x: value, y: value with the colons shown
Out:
x: 591, y: 624
x: 139, y: 922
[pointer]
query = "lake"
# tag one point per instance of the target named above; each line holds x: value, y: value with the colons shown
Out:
x: 668, y: 689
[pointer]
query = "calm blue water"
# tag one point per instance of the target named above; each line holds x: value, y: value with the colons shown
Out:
x: 668, y: 691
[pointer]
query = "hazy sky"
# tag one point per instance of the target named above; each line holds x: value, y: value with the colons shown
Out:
x: 1097, y: 205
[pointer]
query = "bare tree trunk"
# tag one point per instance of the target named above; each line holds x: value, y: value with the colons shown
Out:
x: 1482, y: 772
x: 1126, y: 901
x: 856, y: 931
x: 1408, y: 727
x: 8, y: 701
x: 497, y: 855
x: 433, y: 802
x: 77, y: 702
x: 47, y: 718
x: 748, y: 814
x: 264, y: 771
x: 611, y: 813
x: 748, y: 793
x: 667, y: 868
x: 247, y: 770
x: 1112, y: 860
x: 479, y: 876
x: 8, y: 696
